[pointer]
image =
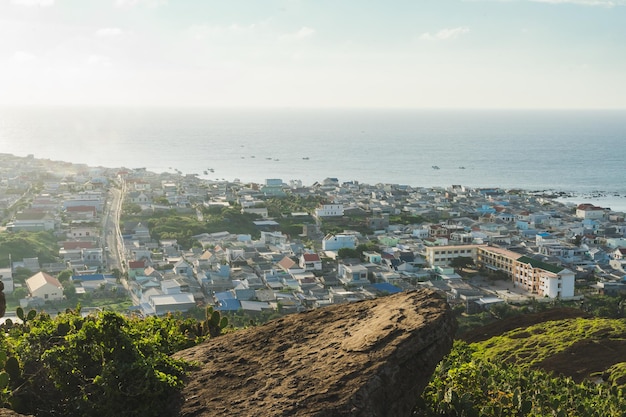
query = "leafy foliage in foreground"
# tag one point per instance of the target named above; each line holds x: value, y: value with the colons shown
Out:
x: 103, y: 365
x: 466, y: 385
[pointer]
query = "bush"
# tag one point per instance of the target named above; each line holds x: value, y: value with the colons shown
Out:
x: 104, y: 365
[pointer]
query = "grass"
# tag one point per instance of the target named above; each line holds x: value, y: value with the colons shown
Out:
x: 529, y: 346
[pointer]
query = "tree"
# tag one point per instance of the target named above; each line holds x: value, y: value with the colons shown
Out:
x: 69, y: 290
x: 345, y: 253
x: 65, y: 275
x: 461, y: 262
x: 19, y: 293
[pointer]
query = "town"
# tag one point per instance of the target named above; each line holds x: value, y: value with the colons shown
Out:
x: 341, y: 242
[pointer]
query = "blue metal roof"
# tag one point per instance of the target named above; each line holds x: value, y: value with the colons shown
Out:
x: 229, y: 304
x: 385, y: 286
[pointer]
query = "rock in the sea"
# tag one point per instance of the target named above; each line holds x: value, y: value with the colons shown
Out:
x: 369, y: 359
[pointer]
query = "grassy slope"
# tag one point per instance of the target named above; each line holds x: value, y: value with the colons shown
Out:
x: 541, y: 344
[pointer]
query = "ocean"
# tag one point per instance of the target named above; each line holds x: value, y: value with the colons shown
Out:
x: 574, y: 151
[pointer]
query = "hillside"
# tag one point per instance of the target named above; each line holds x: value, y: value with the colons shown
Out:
x: 558, y: 362
x: 563, y: 341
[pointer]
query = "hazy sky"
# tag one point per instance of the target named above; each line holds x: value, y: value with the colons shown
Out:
x: 315, y: 53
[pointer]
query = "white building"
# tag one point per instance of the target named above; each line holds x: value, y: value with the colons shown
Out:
x: 45, y: 287
x: 329, y: 210
x: 442, y: 255
x: 589, y: 211
x: 339, y: 241
x: 6, y: 275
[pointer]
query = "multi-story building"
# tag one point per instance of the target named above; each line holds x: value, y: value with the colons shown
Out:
x: 442, y: 255
x: 329, y: 210
x: 541, y: 278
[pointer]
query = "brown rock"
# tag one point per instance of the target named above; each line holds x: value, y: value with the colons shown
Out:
x: 5, y: 412
x: 368, y: 359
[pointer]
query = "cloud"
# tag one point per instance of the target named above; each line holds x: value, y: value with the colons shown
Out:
x: 99, y: 60
x: 303, y: 33
x: 445, y: 34
x: 24, y: 57
x: 207, y: 31
x: 109, y: 32
x: 31, y: 3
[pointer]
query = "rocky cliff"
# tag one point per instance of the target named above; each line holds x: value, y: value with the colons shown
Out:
x: 368, y: 359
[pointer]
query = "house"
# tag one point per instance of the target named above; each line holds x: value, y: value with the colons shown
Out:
x: 333, y: 242
x: 618, y: 254
x: 44, y: 287
x: 329, y: 210
x: 353, y: 274
x: 81, y: 213
x: 589, y: 211
x: 83, y: 232
x: 182, y: 267
x: 136, y: 268
x: 372, y: 257
x: 310, y: 262
x: 289, y: 265
x: 93, y: 282
x: 6, y: 276
x: 32, y: 221
x: 161, y: 304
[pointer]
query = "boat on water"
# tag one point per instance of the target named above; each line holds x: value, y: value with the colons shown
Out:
x: 435, y: 167
x: 306, y: 158
x: 461, y: 167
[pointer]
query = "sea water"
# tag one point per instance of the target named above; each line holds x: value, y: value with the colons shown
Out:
x: 581, y: 152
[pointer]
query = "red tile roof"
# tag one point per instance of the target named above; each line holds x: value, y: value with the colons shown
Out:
x: 286, y: 263
x: 77, y: 245
x: 136, y: 264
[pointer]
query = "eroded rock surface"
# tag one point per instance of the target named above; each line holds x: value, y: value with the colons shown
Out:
x: 368, y: 359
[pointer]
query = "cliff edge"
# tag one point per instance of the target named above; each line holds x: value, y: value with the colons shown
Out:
x: 369, y: 359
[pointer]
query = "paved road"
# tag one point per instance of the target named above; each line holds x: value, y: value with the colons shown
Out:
x: 113, y: 239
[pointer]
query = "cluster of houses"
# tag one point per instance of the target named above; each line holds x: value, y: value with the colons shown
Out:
x: 542, y: 247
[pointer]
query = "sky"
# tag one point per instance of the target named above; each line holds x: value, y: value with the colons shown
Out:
x: 469, y: 54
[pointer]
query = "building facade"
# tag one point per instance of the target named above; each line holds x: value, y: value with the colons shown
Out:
x: 536, y: 277
x: 442, y: 255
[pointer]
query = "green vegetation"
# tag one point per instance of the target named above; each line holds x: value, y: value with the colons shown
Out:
x: 173, y: 225
x: 104, y: 364
x: 339, y: 224
x: 503, y: 376
x: 23, y: 244
x: 464, y: 384
x: 462, y: 262
x: 531, y: 345
x: 406, y: 219
x: 357, y: 253
x: 279, y: 207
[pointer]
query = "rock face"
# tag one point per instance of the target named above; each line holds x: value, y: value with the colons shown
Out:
x: 367, y: 359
